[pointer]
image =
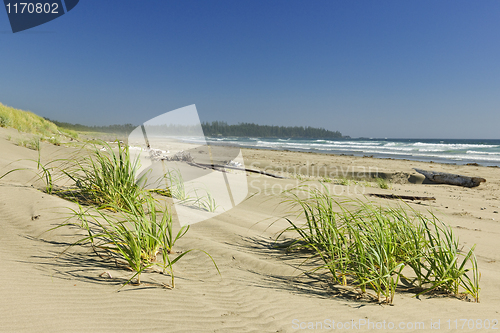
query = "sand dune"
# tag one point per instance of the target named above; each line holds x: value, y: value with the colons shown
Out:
x: 260, y: 288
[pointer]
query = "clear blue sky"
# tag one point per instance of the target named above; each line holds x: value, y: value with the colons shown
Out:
x: 407, y: 69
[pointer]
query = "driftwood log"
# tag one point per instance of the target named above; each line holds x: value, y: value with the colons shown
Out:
x: 451, y: 179
x: 220, y: 167
x: 404, y: 197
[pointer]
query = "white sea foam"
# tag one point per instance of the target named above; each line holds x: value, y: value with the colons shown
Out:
x: 451, y: 150
x: 482, y: 152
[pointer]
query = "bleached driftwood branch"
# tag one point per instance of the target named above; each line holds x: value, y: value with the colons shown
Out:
x: 451, y: 179
x: 219, y: 166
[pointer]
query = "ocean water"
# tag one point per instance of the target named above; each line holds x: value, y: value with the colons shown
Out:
x: 483, y: 152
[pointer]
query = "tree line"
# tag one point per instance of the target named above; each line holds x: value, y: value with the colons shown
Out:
x: 220, y: 128
x: 122, y: 129
x: 215, y: 128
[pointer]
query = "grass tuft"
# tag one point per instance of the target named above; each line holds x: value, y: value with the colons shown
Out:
x: 369, y: 246
x: 107, y: 178
x: 139, y: 229
x: 343, y: 181
x: 28, y: 122
x: 134, y: 237
x: 382, y: 183
x: 30, y: 143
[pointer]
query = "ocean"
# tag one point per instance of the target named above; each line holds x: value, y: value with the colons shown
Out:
x: 463, y: 151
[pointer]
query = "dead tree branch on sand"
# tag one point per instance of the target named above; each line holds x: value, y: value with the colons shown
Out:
x: 403, y: 197
x: 451, y: 179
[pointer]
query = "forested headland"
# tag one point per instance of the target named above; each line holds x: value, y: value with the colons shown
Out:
x: 220, y: 128
x: 215, y: 129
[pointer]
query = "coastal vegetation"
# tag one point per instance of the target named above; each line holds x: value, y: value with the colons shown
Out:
x: 106, y: 178
x: 125, y: 220
x: 376, y: 248
x: 220, y: 128
x: 382, y: 183
x: 122, y: 220
x: 113, y: 129
x: 214, y: 129
x: 28, y: 122
x: 134, y: 237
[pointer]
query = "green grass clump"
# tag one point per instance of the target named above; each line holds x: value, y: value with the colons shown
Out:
x: 53, y: 140
x: 135, y: 237
x: 104, y: 180
x: 206, y: 202
x: 139, y: 229
x: 25, y: 121
x: 68, y: 132
x: 107, y: 178
x: 177, y: 190
x: 368, y: 247
x: 382, y: 183
x: 4, y: 120
x: 176, y: 186
x: 28, y: 122
x: 33, y: 143
x: 343, y: 181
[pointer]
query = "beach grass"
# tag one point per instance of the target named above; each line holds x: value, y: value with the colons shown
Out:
x: 382, y: 183
x: 106, y: 177
x: 177, y: 190
x: 134, y: 237
x: 30, y: 143
x: 206, y: 202
x: 326, y: 180
x: 48, y: 173
x: 119, y: 216
x: 176, y: 186
x: 28, y: 122
x: 343, y: 181
x: 368, y: 246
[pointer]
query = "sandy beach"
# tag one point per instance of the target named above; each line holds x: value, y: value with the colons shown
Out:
x: 260, y: 288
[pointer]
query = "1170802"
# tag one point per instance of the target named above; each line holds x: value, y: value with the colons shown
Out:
x: 32, y: 8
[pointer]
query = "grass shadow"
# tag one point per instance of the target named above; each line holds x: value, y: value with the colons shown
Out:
x: 84, y: 264
x: 306, y: 283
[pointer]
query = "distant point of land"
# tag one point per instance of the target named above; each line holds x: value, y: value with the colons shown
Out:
x: 26, y: 121
x: 220, y: 129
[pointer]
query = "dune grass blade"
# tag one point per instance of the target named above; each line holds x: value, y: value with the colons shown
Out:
x: 168, y: 239
x: 176, y: 185
x: 206, y: 202
x: 448, y: 271
x: 168, y: 263
x: 471, y: 285
x: 46, y: 173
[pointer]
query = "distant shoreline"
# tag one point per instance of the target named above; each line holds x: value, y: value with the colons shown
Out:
x: 454, y: 152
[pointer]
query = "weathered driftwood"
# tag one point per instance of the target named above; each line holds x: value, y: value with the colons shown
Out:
x: 222, y: 167
x: 404, y: 197
x: 451, y: 179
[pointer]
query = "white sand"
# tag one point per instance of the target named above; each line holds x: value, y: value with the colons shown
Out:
x: 260, y: 290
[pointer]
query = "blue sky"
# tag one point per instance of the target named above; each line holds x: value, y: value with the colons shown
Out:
x: 400, y: 69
